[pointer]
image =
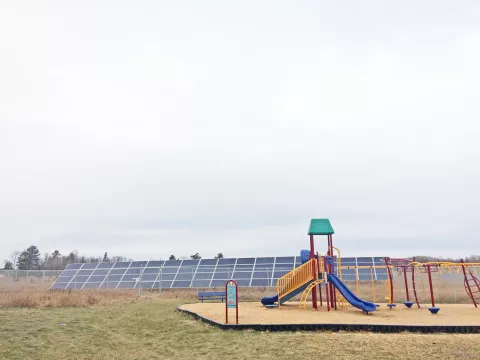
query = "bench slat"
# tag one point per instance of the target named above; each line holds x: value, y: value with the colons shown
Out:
x: 212, y: 295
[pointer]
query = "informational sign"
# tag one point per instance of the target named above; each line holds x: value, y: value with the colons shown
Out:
x: 232, y: 295
x: 231, y: 291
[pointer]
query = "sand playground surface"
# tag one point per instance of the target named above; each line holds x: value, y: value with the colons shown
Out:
x: 256, y: 313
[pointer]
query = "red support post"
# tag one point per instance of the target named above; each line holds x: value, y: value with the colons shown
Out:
x: 466, y: 282
x: 406, y: 282
x: 320, y: 289
x: 331, y: 296
x: 333, y: 304
x: 328, y: 284
x: 431, y: 285
x: 319, y: 270
x: 314, y: 268
x: 414, y: 286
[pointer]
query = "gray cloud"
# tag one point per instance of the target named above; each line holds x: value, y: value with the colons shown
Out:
x: 149, y: 129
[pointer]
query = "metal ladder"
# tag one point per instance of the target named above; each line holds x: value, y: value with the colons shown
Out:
x: 472, y: 285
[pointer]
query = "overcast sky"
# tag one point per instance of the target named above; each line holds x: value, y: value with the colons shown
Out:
x: 150, y: 128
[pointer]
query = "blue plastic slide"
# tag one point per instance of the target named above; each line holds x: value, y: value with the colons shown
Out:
x: 271, y: 300
x: 350, y: 296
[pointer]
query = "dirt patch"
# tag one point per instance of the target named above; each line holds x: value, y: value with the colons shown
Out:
x: 256, y: 313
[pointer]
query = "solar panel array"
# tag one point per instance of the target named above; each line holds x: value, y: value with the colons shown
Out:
x: 202, y: 273
x: 349, y: 268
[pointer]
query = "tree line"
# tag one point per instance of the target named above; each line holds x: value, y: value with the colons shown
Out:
x: 195, y: 256
x: 468, y: 259
x: 32, y: 259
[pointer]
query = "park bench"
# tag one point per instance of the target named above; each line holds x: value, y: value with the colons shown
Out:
x: 211, y: 295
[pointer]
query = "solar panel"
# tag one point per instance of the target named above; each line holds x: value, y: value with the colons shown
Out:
x: 155, y: 263
x: 245, y: 261
x: 105, y: 265
x: 203, y: 273
x: 349, y: 274
x: 364, y: 261
x: 74, y: 266
x: 285, y: 260
x: 349, y: 261
x: 264, y: 260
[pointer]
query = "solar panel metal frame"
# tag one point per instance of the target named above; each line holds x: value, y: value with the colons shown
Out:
x: 233, y: 267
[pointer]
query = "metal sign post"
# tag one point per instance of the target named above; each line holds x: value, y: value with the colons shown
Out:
x: 231, y: 291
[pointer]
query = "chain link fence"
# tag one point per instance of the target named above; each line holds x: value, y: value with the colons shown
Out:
x: 42, y: 278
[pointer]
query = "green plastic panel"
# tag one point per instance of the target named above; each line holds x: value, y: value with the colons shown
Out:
x: 320, y: 227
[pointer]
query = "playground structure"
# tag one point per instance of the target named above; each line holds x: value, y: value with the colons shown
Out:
x: 315, y: 271
x: 320, y: 272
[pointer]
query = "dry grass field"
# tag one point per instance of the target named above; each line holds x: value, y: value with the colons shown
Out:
x: 37, y: 324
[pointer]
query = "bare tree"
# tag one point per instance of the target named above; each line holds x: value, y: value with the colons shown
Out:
x: 14, y: 257
x: 46, y: 261
x: 118, y: 258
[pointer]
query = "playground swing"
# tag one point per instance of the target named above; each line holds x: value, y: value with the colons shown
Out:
x: 421, y: 295
x: 387, y: 293
x: 425, y: 269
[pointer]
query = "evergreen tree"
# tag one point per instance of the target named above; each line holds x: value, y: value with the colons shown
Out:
x: 172, y: 257
x: 29, y: 259
x: 73, y: 257
x: 8, y: 265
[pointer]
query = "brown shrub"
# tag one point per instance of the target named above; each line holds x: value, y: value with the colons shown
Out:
x: 30, y: 298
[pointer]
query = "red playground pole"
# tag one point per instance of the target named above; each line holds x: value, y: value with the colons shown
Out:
x: 320, y: 288
x: 319, y: 270
x: 430, y: 284
x: 314, y: 269
x: 406, y: 282
x: 327, y: 284
x: 467, y: 284
x: 333, y: 305
x: 390, y: 281
x: 334, y: 293
x: 433, y: 309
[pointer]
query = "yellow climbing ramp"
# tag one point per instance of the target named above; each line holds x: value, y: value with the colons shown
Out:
x: 306, y: 292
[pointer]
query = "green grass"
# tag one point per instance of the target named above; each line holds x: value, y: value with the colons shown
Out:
x: 152, y: 329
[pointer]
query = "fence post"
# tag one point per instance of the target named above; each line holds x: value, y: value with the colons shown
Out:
x: 140, y: 283
x: 161, y: 279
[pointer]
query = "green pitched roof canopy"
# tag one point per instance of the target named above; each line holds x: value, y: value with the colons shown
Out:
x: 320, y: 227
